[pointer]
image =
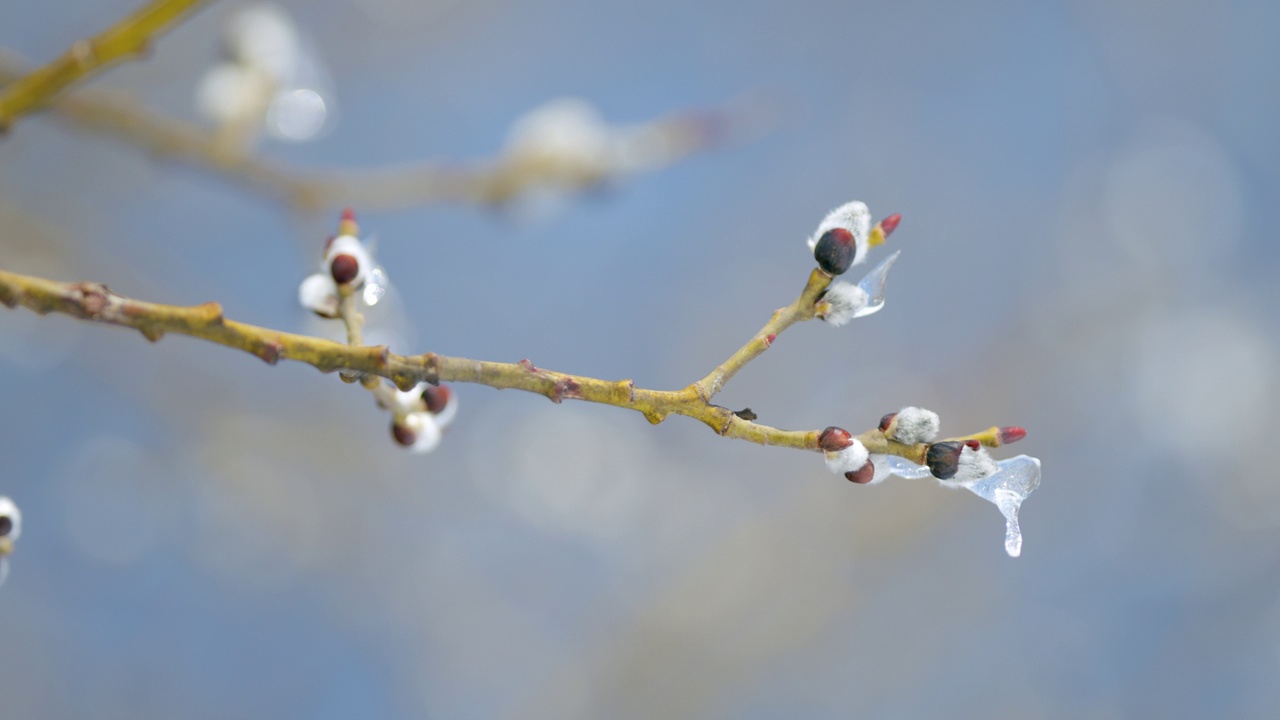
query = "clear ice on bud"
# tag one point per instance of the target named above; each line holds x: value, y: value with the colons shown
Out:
x: 873, y: 283
x: 1017, y: 478
x: 1007, y: 488
x: 904, y: 468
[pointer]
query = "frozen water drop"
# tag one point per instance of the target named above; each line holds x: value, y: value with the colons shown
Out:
x: 1017, y: 478
x: 904, y: 468
x: 375, y: 287
x: 873, y: 284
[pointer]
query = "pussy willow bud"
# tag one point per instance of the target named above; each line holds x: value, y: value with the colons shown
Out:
x: 834, y: 439
x: 889, y: 224
x: 884, y: 421
x: 344, y: 268
x: 863, y: 475
x: 1011, y: 434
x: 943, y: 459
x: 436, y: 398
x: 835, y: 251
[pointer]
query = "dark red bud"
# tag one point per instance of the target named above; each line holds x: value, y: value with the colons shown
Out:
x: 862, y: 475
x: 889, y: 224
x: 403, y: 434
x: 884, y: 421
x: 834, y: 439
x: 835, y: 250
x: 974, y: 445
x: 6, y: 525
x: 1011, y: 434
x: 344, y: 268
x: 768, y: 339
x: 943, y: 459
x: 349, y: 215
x: 436, y: 397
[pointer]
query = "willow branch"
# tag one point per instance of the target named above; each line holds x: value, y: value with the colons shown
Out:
x: 484, y: 182
x: 783, y: 318
x: 96, y: 303
x: 130, y: 37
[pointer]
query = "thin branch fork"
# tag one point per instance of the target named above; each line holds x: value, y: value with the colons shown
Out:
x: 97, y: 303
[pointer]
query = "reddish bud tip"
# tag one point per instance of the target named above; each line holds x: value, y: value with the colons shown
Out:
x: 943, y: 459
x: 1011, y: 434
x: 344, y: 268
x: 863, y: 475
x: 886, y: 420
x: 889, y: 224
x: 834, y: 439
x: 329, y: 243
x: 835, y: 250
x: 974, y: 445
x: 768, y: 339
x: 436, y: 398
x: 403, y: 434
x: 349, y: 215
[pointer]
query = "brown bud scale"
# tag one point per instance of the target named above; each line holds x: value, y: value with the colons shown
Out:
x: 834, y: 439
x: 862, y: 475
x: 835, y: 251
x: 344, y: 268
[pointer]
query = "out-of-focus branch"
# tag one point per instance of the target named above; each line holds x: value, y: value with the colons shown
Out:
x: 131, y: 36
x: 660, y: 142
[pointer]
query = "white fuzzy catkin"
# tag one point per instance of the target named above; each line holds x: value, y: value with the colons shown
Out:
x: 319, y: 294
x: 350, y: 245
x: 914, y: 425
x: 426, y: 432
x: 10, y: 510
x: 845, y: 301
x: 847, y: 460
x: 852, y: 216
x: 973, y: 466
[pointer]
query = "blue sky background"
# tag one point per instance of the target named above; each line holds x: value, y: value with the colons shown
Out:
x: 1088, y: 192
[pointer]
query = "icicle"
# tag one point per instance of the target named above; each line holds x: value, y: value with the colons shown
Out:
x: 1007, y: 488
x: 873, y: 283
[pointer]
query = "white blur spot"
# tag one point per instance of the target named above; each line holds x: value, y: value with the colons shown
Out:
x: 1204, y: 381
x: 1172, y: 197
x: 297, y: 115
x: 567, y: 471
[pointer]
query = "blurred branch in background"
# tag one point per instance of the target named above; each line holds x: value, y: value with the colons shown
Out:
x: 131, y: 36
x: 563, y: 146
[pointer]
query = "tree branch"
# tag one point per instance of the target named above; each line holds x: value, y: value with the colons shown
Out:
x: 131, y: 36
x: 96, y: 303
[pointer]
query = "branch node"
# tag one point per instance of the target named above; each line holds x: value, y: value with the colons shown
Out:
x: 565, y: 388
x: 152, y: 333
x: 528, y: 365
x: 210, y: 313
x: 654, y: 416
x: 270, y: 352
x: 93, y: 298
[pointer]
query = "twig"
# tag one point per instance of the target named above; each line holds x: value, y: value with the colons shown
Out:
x: 131, y: 36
x: 96, y: 303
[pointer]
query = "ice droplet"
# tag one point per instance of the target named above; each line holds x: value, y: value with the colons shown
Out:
x: 1006, y: 489
x: 873, y: 284
x: 904, y: 468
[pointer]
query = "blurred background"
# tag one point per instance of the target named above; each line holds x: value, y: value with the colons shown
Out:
x: 1088, y: 192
